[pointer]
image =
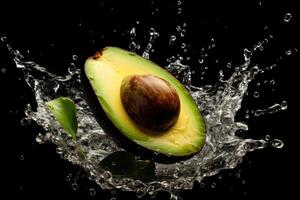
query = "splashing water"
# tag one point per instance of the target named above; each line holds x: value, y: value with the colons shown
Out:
x: 153, y: 35
x: 219, y: 104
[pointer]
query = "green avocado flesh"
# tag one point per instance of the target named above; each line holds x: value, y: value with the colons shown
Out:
x: 105, y: 72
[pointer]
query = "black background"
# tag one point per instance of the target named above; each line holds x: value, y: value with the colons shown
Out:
x: 53, y: 32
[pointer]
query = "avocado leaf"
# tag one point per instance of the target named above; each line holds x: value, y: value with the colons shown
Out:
x: 64, y: 111
x: 121, y: 163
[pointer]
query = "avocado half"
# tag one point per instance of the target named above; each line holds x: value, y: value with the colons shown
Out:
x: 102, y: 77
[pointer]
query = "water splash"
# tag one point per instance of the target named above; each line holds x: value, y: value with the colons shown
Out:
x: 153, y: 36
x: 219, y: 104
x: 272, y: 109
x: 133, y: 46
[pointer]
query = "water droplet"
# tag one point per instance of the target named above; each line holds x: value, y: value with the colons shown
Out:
x: 272, y: 82
x: 202, y: 185
x: 172, y: 59
x: 92, y: 192
x: 283, y: 105
x: 113, y: 192
x: 172, y: 39
x: 75, y: 186
x: 271, y: 67
x: 260, y: 3
x: 3, y: 70
x: 59, y: 150
x: 132, y: 32
x: 200, y: 61
x: 3, y: 38
x: 227, y: 118
x: 238, y: 175
x: 213, y: 185
x: 179, y: 11
x: 287, y: 17
x: 261, y: 48
x: 229, y: 65
x: 288, y: 52
x: 132, y: 46
x: 267, y: 138
x: 266, y: 41
x: 271, y: 36
x: 182, y: 33
x: 277, y: 143
x: 256, y: 94
x: 153, y: 33
x: 212, y: 40
x: 21, y: 157
x: 40, y: 138
x: 75, y: 57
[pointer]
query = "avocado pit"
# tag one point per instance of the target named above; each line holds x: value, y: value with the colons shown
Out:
x: 150, y: 101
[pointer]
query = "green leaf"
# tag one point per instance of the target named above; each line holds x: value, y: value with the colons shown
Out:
x: 121, y: 163
x: 64, y: 111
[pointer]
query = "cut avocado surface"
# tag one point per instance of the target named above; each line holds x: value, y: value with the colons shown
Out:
x: 105, y: 72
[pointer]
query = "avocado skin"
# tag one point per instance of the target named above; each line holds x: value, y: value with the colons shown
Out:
x: 118, y: 137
